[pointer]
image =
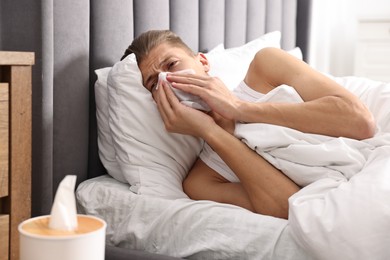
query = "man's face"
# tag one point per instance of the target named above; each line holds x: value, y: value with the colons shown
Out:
x: 165, y: 58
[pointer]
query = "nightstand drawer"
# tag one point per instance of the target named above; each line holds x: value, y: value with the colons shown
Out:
x: 374, y: 31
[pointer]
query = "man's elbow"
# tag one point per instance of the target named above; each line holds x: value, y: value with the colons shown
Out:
x: 364, y: 125
x: 366, y: 128
x: 360, y: 121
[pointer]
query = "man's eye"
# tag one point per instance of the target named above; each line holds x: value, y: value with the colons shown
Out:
x: 171, y: 64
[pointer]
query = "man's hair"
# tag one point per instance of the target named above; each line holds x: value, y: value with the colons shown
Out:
x: 144, y: 43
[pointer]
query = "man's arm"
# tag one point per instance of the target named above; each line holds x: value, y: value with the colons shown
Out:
x: 203, y: 183
x: 267, y: 188
x: 328, y: 109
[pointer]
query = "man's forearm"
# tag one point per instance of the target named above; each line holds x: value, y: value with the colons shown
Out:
x: 267, y: 188
x: 332, y: 116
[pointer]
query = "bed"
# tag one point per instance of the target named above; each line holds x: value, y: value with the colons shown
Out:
x: 89, y: 39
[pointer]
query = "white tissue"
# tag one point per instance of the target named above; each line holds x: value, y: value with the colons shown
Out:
x: 64, y: 212
x: 185, y: 98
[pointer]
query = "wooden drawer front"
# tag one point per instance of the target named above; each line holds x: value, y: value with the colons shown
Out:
x: 374, y: 31
x: 4, y: 137
x: 4, y: 237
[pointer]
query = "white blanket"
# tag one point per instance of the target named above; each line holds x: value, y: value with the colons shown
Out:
x: 351, y: 220
x: 344, y: 212
x: 346, y: 220
x: 306, y: 158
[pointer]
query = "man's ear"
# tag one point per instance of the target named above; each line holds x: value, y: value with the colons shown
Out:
x: 205, y: 62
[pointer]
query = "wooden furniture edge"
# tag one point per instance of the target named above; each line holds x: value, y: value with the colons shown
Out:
x: 17, y: 58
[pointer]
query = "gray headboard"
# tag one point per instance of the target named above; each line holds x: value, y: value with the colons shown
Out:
x: 72, y: 38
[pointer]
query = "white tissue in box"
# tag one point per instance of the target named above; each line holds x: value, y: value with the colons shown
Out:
x: 63, y: 214
x: 184, y: 97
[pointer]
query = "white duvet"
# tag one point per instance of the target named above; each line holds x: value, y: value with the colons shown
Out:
x: 343, y: 212
x: 340, y: 219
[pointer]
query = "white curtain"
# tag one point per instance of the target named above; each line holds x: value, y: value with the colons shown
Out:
x: 333, y: 36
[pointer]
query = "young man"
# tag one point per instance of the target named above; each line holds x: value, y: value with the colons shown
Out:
x: 328, y: 109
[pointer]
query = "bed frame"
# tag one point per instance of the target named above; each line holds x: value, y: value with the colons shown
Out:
x: 73, y: 38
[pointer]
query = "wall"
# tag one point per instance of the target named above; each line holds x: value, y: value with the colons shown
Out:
x: 334, y: 32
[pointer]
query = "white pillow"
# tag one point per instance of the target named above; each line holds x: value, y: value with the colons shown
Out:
x: 152, y: 160
x: 297, y: 53
x: 105, y: 142
x: 231, y: 65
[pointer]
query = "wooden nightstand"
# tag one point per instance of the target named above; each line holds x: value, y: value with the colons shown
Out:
x: 372, y: 57
x: 15, y: 148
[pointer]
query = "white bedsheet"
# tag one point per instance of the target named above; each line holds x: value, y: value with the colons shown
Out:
x: 183, y: 227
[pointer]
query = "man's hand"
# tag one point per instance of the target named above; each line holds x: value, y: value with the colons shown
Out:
x: 211, y: 90
x: 179, y: 118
